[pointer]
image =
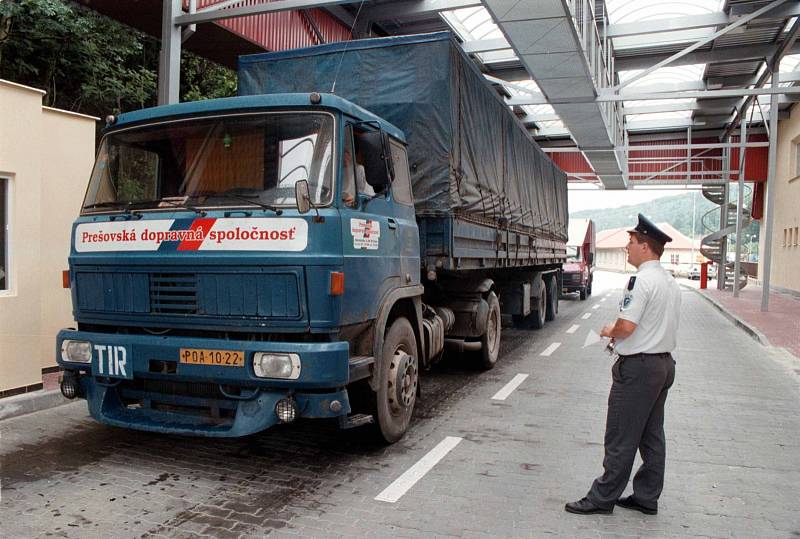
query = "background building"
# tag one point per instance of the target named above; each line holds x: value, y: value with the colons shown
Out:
x: 785, y: 266
x: 46, y: 156
x: 679, y: 254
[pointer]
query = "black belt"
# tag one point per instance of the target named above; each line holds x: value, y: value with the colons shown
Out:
x: 644, y: 355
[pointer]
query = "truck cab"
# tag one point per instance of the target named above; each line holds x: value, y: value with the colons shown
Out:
x: 578, y: 272
x: 230, y: 262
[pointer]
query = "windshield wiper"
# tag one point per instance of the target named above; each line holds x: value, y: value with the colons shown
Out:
x: 171, y: 204
x: 126, y: 206
x: 123, y: 206
x: 245, y: 198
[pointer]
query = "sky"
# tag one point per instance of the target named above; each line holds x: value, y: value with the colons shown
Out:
x: 583, y: 198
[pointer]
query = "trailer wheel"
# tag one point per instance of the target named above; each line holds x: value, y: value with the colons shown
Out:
x: 589, y: 288
x: 539, y: 315
x: 552, y: 298
x: 490, y: 340
x: 397, y: 392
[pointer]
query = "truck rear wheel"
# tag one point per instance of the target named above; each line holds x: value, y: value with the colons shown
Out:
x: 539, y: 315
x: 552, y: 298
x: 583, y: 292
x: 397, y: 391
x: 490, y: 340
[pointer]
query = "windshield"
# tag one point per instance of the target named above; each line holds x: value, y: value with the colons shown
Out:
x: 573, y: 253
x: 232, y: 161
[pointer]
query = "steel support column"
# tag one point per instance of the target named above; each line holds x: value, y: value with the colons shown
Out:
x: 766, y: 254
x: 723, y: 223
x: 739, y: 208
x: 169, y: 62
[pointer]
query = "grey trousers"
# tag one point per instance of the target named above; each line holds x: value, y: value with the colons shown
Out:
x: 635, y: 421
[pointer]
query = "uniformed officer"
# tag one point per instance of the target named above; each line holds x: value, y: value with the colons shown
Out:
x: 644, y: 334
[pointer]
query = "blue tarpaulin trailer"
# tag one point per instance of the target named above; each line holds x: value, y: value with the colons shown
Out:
x: 471, y: 159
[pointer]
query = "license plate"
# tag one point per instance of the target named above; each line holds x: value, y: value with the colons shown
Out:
x: 223, y: 358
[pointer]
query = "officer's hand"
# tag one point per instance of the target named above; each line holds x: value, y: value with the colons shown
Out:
x: 607, y: 329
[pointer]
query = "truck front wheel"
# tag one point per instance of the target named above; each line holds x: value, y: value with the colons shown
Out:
x: 583, y: 292
x: 397, y: 392
x: 490, y: 341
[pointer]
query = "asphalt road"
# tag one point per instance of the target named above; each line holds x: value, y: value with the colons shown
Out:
x: 512, y: 465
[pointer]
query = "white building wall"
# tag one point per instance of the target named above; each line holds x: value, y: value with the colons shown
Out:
x: 46, y: 156
x: 785, y: 266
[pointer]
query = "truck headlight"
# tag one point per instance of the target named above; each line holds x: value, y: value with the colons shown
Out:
x: 276, y: 365
x: 76, y: 351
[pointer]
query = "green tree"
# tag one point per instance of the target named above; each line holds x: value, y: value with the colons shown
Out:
x: 91, y: 64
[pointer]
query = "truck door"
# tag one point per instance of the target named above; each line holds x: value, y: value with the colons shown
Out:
x: 370, y: 240
x: 405, y: 216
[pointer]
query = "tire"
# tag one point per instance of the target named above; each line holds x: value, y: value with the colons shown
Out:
x: 490, y: 340
x: 583, y: 292
x: 397, y: 390
x: 552, y: 299
x: 538, y: 315
x: 589, y: 288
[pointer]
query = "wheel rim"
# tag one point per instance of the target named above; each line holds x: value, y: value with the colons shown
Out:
x: 492, y: 332
x: 402, y: 381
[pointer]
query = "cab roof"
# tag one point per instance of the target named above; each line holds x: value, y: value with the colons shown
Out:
x: 256, y: 103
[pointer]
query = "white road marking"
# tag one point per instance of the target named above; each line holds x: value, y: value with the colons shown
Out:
x: 586, y: 316
x: 403, y: 484
x: 550, y: 349
x: 597, y: 306
x: 602, y: 300
x: 509, y: 387
x: 573, y: 329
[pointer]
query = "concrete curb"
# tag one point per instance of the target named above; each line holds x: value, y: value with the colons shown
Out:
x: 750, y: 330
x: 28, y: 403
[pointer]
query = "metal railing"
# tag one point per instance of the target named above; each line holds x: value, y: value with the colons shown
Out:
x: 599, y: 53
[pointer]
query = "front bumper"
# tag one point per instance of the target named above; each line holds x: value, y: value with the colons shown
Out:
x: 150, y: 389
x: 566, y: 289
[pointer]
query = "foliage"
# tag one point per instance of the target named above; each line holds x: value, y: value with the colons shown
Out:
x: 675, y: 210
x: 89, y: 63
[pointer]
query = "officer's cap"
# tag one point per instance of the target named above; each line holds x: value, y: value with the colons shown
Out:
x: 650, y: 230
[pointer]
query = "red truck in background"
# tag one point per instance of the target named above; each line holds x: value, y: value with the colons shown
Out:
x: 578, y: 272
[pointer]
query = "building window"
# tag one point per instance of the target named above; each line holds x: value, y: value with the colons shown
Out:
x: 796, y: 155
x: 796, y: 235
x: 4, y: 236
x: 674, y: 259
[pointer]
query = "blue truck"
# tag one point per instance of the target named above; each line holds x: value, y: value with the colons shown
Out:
x: 308, y: 248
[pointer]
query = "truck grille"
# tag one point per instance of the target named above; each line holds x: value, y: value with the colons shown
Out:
x: 275, y: 294
x: 168, y: 387
x: 173, y: 293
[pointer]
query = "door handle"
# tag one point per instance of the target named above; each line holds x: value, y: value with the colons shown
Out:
x: 392, y: 223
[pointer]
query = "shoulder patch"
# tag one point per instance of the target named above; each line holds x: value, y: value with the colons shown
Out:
x: 631, y: 282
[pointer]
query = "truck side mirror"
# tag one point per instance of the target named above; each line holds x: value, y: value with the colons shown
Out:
x: 302, y: 196
x: 377, y: 156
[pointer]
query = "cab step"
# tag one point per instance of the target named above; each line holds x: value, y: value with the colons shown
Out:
x: 355, y: 420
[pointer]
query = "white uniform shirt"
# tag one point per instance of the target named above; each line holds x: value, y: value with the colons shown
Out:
x: 652, y: 301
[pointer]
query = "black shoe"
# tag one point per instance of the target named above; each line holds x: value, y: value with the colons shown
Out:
x: 629, y: 503
x: 585, y: 507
